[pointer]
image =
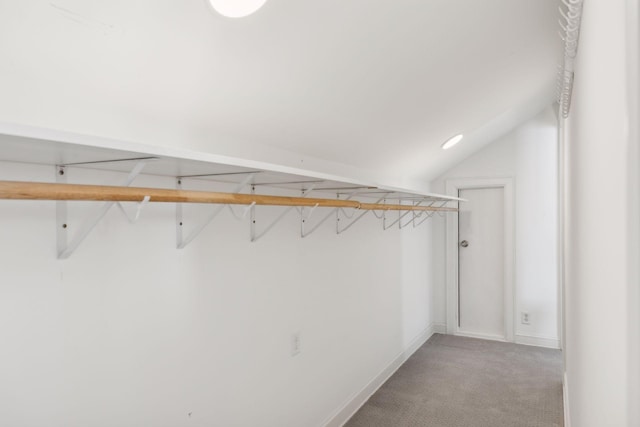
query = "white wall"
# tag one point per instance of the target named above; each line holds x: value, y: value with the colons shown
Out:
x: 130, y: 331
x: 601, y: 309
x: 529, y: 155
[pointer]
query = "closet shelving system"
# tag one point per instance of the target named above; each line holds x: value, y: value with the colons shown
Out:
x: 254, y: 184
x: 570, y: 18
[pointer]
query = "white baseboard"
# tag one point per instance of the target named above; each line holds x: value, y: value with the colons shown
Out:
x: 533, y: 340
x: 538, y: 341
x: 565, y: 401
x: 439, y: 328
x: 351, y: 406
x: 489, y: 337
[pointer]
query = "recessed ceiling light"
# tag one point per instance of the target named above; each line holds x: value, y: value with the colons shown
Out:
x: 452, y: 141
x: 236, y: 8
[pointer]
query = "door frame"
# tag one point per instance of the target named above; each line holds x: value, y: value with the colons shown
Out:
x: 453, y: 186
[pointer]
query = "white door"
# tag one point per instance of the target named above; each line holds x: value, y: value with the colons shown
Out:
x: 481, y: 293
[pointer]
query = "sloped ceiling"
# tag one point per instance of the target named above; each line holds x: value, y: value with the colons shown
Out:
x: 375, y: 86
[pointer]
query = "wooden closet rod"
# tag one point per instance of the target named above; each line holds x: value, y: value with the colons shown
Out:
x: 18, y: 190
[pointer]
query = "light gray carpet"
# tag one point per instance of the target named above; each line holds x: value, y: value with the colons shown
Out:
x: 465, y: 382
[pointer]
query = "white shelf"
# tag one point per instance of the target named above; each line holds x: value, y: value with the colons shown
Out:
x: 27, y: 144
x: 62, y: 150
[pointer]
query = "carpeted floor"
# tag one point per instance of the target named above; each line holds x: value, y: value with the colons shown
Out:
x: 465, y: 382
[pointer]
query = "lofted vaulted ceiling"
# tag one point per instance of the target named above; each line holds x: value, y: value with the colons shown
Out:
x: 372, y: 85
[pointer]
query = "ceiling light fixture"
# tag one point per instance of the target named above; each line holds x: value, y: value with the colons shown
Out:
x: 236, y: 8
x: 452, y: 141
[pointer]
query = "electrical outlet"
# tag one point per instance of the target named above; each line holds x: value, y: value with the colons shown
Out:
x: 296, y: 344
x: 525, y: 318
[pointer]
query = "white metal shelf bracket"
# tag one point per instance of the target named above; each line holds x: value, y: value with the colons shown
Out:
x: 252, y: 224
x: 357, y: 218
x: 65, y: 247
x: 182, y: 242
x: 136, y: 216
x: 426, y: 216
x: 440, y: 213
x: 305, y: 216
x: 401, y: 215
x: 420, y: 214
x: 305, y: 233
x: 244, y: 213
x: 413, y: 217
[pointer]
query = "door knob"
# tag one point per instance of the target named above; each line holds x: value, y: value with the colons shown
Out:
x: 464, y: 243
